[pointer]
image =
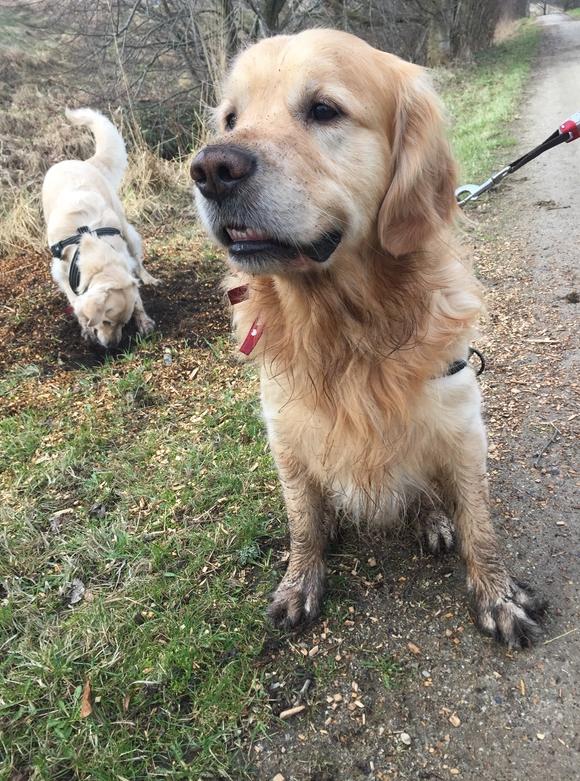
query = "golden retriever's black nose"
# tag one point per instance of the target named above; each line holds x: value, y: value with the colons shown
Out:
x: 218, y: 170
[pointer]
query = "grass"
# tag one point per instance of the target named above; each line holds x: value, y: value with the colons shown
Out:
x: 482, y: 100
x: 151, y: 485
x: 162, y: 512
x: 387, y: 670
x: 12, y: 27
x: 574, y: 13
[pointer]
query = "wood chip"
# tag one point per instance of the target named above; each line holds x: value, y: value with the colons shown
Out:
x: 414, y: 649
x: 287, y: 714
x: 454, y: 720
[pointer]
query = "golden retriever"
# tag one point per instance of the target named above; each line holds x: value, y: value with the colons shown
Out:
x: 331, y: 185
x: 83, y: 193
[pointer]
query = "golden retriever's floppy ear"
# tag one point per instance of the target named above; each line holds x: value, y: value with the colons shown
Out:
x: 421, y: 195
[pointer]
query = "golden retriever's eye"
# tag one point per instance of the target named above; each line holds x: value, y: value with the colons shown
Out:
x: 231, y: 121
x: 322, y: 112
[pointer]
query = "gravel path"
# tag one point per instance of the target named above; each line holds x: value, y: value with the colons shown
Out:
x: 461, y: 707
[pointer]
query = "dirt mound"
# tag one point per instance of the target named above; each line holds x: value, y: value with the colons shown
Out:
x: 35, y: 327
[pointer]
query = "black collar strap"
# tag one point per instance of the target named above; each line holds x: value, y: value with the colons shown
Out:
x: 461, y: 363
x: 56, y: 250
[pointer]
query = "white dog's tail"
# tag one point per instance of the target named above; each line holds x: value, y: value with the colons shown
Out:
x: 110, y: 154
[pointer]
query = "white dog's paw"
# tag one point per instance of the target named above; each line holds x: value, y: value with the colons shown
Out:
x: 149, y: 279
x: 145, y: 324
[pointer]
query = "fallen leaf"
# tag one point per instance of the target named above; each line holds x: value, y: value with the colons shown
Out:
x: 77, y: 591
x: 86, y: 707
x: 98, y: 510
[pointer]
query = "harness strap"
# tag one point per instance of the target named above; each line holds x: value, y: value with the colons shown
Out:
x: 56, y: 250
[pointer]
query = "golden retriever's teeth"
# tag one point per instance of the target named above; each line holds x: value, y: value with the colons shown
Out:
x: 247, y: 234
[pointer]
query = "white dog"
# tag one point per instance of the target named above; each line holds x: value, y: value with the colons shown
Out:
x: 97, y: 255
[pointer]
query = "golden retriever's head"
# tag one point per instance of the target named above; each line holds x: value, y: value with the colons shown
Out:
x: 109, y: 296
x: 325, y: 145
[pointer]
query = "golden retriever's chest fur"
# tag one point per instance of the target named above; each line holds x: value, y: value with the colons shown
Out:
x: 348, y: 379
x: 370, y: 465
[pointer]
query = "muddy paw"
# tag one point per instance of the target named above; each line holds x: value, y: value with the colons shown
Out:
x: 514, y: 618
x: 298, y: 599
x: 439, y: 533
x: 145, y: 325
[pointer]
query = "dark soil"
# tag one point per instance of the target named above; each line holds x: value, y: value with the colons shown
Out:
x: 37, y: 329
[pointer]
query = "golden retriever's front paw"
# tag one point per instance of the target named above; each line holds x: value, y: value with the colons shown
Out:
x: 439, y: 533
x: 145, y: 325
x: 514, y: 618
x: 298, y: 598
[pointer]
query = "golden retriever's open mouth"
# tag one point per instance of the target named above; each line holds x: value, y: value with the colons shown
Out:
x: 249, y: 244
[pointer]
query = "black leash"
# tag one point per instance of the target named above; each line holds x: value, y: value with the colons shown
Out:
x: 568, y: 131
x: 56, y: 250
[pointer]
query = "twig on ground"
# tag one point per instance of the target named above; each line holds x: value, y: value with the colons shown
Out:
x: 550, y: 442
x: 302, y: 693
x: 559, y: 637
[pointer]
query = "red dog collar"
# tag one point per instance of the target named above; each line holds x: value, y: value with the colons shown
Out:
x: 236, y: 295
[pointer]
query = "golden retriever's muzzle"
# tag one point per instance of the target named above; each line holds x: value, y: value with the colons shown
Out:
x: 227, y: 178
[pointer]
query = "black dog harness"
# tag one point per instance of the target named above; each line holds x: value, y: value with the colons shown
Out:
x: 56, y: 250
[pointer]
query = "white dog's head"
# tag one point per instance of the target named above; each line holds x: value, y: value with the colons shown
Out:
x: 109, y: 296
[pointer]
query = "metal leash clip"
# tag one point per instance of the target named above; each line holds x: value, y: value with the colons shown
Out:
x: 475, y: 190
x: 568, y: 131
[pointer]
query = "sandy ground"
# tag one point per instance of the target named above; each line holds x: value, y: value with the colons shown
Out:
x: 461, y: 707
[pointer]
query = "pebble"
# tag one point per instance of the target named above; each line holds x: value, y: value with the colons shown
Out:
x: 405, y: 738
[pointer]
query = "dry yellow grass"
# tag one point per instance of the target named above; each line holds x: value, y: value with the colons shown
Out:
x: 152, y: 189
x: 34, y: 135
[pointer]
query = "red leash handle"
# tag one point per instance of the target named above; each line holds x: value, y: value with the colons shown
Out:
x: 572, y: 127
